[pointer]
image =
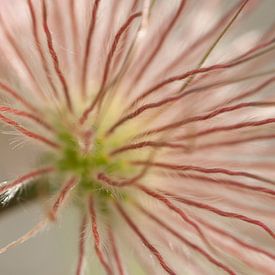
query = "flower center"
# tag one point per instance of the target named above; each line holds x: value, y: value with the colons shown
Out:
x: 88, y: 164
x: 87, y: 154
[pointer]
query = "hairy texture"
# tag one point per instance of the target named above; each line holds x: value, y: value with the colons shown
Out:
x: 155, y: 119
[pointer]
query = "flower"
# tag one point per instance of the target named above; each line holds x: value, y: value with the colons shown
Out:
x: 158, y: 118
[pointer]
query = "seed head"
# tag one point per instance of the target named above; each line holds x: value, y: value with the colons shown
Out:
x: 156, y: 120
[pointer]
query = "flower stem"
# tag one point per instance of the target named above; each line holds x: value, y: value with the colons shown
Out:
x: 32, y: 193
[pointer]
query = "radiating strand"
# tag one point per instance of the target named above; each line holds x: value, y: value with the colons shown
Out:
x: 40, y: 50
x: 232, y: 127
x: 115, y: 251
x: 229, y: 143
x: 102, y: 90
x: 178, y: 124
x: 26, y: 178
x: 117, y: 183
x: 135, y: 44
x: 30, y: 234
x: 220, y: 212
x: 200, y: 89
x: 239, y: 241
x: 18, y: 97
x: 163, y: 199
x: 144, y: 240
x: 87, y: 51
x: 21, y: 57
x: 96, y: 235
x: 63, y: 194
x: 209, y: 115
x: 161, y: 40
x: 29, y: 133
x: 144, y: 144
x: 123, y: 43
x: 113, y: 87
x: 109, y: 29
x: 212, y: 68
x: 260, y: 50
x: 215, y: 43
x: 199, y: 42
x: 38, y: 227
x: 82, y: 238
x: 204, y: 170
x: 28, y: 115
x: 75, y: 38
x: 199, y: 69
x: 54, y: 57
x: 227, y: 183
x: 186, y: 241
x: 172, y: 99
x: 253, y: 91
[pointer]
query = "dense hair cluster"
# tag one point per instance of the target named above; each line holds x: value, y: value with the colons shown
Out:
x: 156, y: 120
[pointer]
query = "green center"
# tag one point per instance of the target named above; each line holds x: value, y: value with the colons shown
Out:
x: 86, y: 162
x: 87, y: 165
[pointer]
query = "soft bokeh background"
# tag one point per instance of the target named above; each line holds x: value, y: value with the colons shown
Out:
x: 54, y: 252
